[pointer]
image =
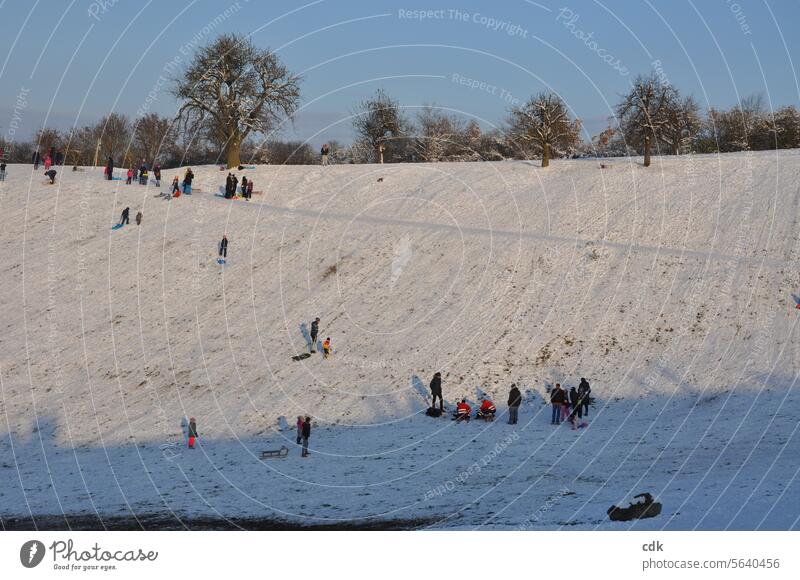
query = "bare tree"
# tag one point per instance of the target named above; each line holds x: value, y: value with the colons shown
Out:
x: 237, y: 89
x: 114, y: 135
x: 440, y: 137
x: 378, y: 123
x: 683, y: 124
x: 644, y: 113
x: 47, y: 138
x: 543, y: 126
x: 153, y: 135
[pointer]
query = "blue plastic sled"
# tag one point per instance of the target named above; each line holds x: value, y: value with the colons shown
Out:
x: 220, y: 261
x: 117, y: 227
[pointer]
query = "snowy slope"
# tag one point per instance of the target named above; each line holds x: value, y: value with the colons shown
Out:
x: 672, y: 289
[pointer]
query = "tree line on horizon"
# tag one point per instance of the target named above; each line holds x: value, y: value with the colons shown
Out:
x: 232, y: 92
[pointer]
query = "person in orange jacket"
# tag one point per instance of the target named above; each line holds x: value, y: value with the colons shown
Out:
x: 487, y: 409
x: 326, y: 348
x: 463, y: 411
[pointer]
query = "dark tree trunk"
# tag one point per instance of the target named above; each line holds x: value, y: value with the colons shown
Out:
x: 546, y: 155
x: 647, y: 151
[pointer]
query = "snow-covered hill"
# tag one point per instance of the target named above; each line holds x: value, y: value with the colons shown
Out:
x: 672, y: 289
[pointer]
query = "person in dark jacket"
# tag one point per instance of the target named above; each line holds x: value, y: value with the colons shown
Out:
x: 125, y: 218
x: 314, y: 333
x: 324, y: 152
x: 514, y: 401
x: 436, y: 391
x: 306, y: 434
x: 228, y: 185
x: 574, y: 400
x: 223, y: 247
x: 244, y: 186
x: 187, y: 181
x: 51, y: 173
x: 157, y: 174
x: 557, y: 398
x: 192, y: 432
x: 583, y: 395
x: 36, y: 159
x: 110, y: 168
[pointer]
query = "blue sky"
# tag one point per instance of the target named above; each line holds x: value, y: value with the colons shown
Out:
x: 75, y: 61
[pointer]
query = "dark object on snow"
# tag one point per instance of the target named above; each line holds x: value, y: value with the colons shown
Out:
x: 646, y: 508
x: 433, y: 412
x: 380, y: 180
x: 277, y: 453
x: 302, y: 356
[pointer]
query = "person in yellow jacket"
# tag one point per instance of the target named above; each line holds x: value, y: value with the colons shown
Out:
x: 326, y: 348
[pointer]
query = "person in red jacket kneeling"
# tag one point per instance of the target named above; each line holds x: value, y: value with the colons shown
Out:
x: 463, y: 411
x: 487, y: 409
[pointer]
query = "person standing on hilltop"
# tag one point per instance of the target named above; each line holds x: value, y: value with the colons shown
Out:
x: 223, y: 248
x: 314, y: 333
x: 436, y: 390
x: 299, y: 429
x: 306, y: 433
x: 514, y: 401
x: 583, y: 395
x: 187, y: 181
x: 110, y: 168
x: 557, y: 399
x: 324, y: 152
x: 192, y: 432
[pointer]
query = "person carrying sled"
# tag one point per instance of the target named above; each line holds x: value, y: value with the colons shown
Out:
x: 487, y: 409
x: 583, y: 397
x: 514, y: 401
x: 463, y: 411
x: 187, y: 181
x: 299, y: 428
x: 223, y: 247
x: 306, y: 433
x: 314, y: 333
x: 436, y: 390
x: 326, y: 348
x: 192, y: 432
x: 557, y: 399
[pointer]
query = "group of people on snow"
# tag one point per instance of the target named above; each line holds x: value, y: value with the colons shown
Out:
x: 232, y: 187
x: 303, y: 433
x: 567, y: 406
x: 570, y: 406
x: 326, y: 344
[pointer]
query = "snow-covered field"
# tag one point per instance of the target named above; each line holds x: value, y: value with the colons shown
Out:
x: 672, y: 289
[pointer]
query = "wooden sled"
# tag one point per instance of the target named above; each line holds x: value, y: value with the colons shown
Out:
x: 646, y: 508
x: 276, y: 454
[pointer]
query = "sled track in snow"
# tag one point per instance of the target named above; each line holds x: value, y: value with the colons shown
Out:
x: 620, y: 247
